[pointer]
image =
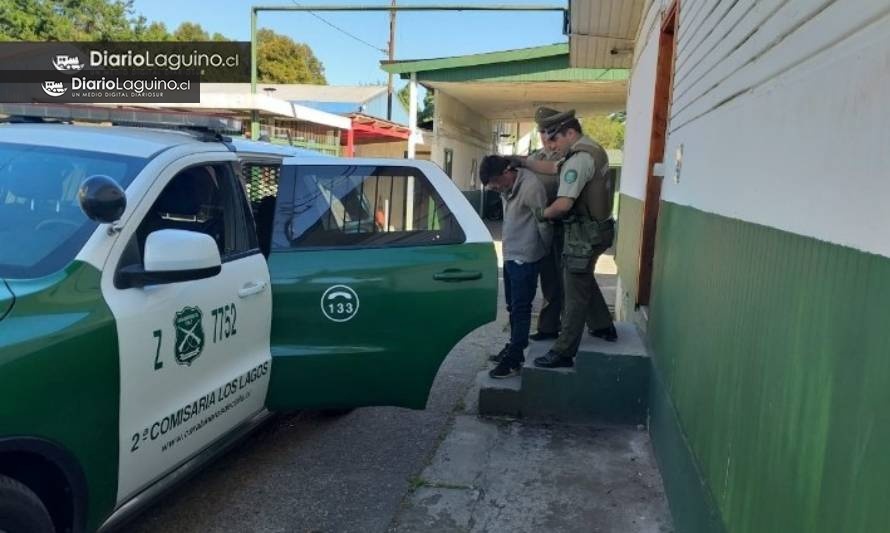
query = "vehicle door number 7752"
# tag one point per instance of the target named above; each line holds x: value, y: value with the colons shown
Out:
x: 225, y: 320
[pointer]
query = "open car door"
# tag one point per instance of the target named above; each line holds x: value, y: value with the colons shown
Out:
x: 379, y: 268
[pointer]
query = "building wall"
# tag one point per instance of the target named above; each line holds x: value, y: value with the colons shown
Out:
x: 466, y: 133
x: 390, y: 150
x: 768, y: 321
x: 641, y: 94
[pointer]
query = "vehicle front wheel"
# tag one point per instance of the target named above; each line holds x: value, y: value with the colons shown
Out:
x: 21, y: 511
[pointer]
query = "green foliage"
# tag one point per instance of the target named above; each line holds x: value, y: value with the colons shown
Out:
x: 282, y: 60
x: 156, y: 31
x: 426, y: 110
x: 67, y: 20
x: 404, y: 97
x: 429, y: 107
x: 607, y: 131
x: 190, y: 31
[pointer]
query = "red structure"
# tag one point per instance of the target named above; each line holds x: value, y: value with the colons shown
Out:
x: 367, y: 130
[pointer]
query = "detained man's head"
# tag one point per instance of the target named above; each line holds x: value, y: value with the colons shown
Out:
x: 496, y: 174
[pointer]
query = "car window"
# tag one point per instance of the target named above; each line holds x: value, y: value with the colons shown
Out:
x: 42, y: 227
x: 205, y: 199
x: 327, y: 206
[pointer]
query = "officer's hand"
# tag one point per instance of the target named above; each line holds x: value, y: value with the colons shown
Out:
x: 516, y: 161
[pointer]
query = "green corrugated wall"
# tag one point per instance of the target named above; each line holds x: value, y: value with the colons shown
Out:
x: 775, y: 350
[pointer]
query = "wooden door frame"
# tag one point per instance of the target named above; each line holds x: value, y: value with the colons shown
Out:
x: 664, y: 77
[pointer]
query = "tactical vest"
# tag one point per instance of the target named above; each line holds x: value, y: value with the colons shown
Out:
x: 595, y: 200
x: 589, y: 223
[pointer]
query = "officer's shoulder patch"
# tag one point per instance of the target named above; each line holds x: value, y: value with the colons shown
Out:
x: 570, y: 176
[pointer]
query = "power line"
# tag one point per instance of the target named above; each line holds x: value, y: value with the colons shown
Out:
x: 341, y: 30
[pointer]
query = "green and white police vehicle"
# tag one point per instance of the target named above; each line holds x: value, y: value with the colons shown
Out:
x: 161, y: 292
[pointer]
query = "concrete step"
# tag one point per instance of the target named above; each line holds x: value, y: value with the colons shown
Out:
x: 608, y: 384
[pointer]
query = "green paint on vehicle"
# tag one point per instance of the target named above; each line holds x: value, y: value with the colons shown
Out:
x: 59, y: 375
x: 390, y: 351
x: 773, y: 349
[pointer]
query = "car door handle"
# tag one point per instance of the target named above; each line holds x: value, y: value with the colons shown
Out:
x: 453, y: 274
x: 254, y: 287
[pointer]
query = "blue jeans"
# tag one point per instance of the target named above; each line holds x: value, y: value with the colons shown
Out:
x: 520, y: 285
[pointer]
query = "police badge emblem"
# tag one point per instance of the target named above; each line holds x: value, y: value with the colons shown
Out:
x: 571, y: 176
x: 189, y: 335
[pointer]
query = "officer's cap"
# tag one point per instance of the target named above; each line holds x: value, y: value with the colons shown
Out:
x: 542, y: 114
x: 552, y: 124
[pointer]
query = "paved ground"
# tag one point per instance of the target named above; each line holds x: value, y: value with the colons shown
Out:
x: 390, y: 469
x: 501, y: 475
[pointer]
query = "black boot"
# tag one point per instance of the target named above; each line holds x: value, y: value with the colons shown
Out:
x: 609, y: 334
x: 541, y: 336
x: 554, y: 360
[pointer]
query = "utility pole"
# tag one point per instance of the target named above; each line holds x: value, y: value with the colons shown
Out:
x: 392, y: 55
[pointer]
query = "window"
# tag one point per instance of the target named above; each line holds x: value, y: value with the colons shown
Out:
x: 449, y: 162
x: 205, y: 199
x: 42, y: 227
x: 261, y: 182
x: 347, y: 206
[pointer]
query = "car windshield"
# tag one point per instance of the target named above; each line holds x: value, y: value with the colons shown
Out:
x: 41, y: 225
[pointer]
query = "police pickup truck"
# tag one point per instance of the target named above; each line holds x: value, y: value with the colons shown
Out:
x: 161, y: 292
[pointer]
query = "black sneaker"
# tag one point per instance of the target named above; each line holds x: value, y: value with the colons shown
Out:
x: 554, y: 360
x: 498, y: 357
x: 608, y: 334
x: 541, y: 336
x: 505, y: 369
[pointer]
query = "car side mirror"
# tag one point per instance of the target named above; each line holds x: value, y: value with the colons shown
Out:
x: 173, y: 255
x: 102, y: 199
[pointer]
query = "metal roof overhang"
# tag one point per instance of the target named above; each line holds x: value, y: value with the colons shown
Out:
x: 518, y: 100
x: 602, y: 32
x: 511, y: 84
x: 266, y: 106
x: 367, y: 129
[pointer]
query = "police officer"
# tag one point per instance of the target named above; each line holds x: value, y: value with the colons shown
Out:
x: 584, y: 205
x: 550, y: 318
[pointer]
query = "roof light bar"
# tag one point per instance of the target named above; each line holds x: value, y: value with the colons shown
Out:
x: 129, y: 117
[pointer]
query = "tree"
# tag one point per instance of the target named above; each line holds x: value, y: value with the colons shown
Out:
x: 429, y: 107
x: 426, y: 111
x: 404, y: 97
x: 606, y: 130
x: 282, y: 60
x: 156, y: 31
x: 190, y: 31
x: 72, y: 20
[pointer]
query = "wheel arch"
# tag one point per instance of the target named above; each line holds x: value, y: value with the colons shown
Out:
x: 53, y: 473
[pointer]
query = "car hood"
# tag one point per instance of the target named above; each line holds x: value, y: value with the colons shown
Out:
x: 6, y: 299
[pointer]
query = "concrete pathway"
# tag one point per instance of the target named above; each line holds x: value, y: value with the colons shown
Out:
x: 503, y: 475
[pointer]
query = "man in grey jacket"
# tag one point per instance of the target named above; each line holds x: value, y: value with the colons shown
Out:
x: 525, y: 241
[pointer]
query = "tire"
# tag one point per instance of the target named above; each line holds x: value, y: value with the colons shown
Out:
x: 21, y: 511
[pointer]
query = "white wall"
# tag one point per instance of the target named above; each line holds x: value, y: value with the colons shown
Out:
x: 782, y: 111
x: 640, y: 98
x: 464, y: 131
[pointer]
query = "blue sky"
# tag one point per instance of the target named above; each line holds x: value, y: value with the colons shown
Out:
x: 348, y: 62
